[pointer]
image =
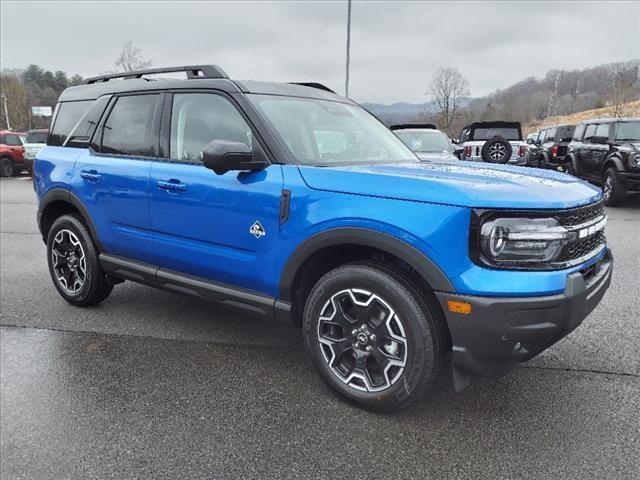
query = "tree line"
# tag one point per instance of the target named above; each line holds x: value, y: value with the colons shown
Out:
x: 35, y: 86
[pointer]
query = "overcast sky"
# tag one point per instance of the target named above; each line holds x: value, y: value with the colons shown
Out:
x: 396, y: 46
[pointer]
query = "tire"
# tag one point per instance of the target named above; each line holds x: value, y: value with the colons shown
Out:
x: 6, y: 167
x: 496, y: 150
x: 391, y: 331
x: 614, y: 191
x: 69, y: 241
x: 568, y: 168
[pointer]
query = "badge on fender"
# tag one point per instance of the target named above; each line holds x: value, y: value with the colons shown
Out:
x: 257, y: 230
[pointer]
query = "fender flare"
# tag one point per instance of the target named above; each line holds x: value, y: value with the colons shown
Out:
x: 614, y: 160
x: 367, y: 238
x: 574, y: 162
x: 66, y: 196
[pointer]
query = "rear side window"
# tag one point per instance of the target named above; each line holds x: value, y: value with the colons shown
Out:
x: 579, y: 132
x: 564, y: 134
x: 67, y: 116
x: 551, y: 135
x: 85, y: 127
x: 129, y: 129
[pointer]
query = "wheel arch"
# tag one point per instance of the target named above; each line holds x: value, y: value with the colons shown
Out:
x: 612, y: 161
x: 329, y: 249
x: 58, y: 202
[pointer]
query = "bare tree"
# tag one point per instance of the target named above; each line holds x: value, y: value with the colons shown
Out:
x: 131, y: 58
x: 624, y: 87
x: 448, y: 89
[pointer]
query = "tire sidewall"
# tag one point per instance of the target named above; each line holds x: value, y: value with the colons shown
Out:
x: 74, y: 224
x: 6, y: 167
x: 421, y: 344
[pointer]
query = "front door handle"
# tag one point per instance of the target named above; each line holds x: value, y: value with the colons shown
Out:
x: 90, y: 175
x: 172, y: 186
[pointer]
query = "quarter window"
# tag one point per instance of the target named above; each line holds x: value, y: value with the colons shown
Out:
x: 200, y: 118
x: 129, y: 130
x: 67, y: 116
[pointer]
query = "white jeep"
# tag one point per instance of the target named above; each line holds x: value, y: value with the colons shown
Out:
x: 493, y: 142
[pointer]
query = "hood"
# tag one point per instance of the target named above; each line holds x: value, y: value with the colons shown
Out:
x: 436, y: 156
x: 466, y: 184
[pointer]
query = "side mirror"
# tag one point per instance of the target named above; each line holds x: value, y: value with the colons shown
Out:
x: 530, y: 141
x: 223, y: 156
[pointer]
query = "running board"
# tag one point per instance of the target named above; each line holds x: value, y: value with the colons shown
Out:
x: 247, y: 300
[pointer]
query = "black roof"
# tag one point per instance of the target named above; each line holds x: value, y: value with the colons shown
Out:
x: 493, y: 124
x: 403, y: 126
x: 198, y: 76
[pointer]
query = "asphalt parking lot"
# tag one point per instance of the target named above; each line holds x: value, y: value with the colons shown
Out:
x: 150, y: 384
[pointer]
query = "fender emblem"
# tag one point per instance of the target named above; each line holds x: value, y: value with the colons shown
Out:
x: 257, y: 230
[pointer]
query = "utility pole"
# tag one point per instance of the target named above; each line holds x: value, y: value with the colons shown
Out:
x: 346, y: 78
x: 6, y: 112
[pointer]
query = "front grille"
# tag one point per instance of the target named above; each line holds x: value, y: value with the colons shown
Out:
x: 577, y: 216
x: 582, y: 248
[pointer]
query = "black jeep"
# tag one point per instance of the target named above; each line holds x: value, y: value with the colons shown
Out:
x: 551, y: 146
x: 607, y: 152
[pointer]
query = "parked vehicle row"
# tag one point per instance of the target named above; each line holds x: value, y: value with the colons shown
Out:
x: 18, y: 150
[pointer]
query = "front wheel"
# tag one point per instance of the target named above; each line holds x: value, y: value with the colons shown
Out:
x: 371, y: 336
x: 73, y: 263
x: 613, y: 190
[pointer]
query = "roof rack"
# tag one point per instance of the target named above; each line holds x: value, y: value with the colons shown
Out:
x: 428, y: 126
x: 193, y: 71
x: 319, y: 86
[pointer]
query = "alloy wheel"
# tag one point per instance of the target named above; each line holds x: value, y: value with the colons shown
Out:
x: 608, y: 187
x: 69, y: 261
x: 497, y: 151
x: 362, y: 340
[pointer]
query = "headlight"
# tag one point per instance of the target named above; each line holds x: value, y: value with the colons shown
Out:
x: 522, y: 241
x: 635, y: 160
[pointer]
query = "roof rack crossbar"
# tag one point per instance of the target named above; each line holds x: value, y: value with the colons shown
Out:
x: 193, y: 71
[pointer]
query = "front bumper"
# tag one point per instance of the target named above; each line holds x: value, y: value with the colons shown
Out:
x: 501, y: 332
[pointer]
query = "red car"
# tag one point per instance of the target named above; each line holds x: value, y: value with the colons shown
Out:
x: 11, y: 153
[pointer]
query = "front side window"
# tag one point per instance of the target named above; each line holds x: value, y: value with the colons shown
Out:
x: 628, y: 131
x: 551, y: 135
x: 425, y: 142
x: 200, y: 118
x: 324, y: 133
x: 129, y: 130
x: 579, y: 132
x: 541, y: 136
x: 67, y: 115
x: 37, y: 137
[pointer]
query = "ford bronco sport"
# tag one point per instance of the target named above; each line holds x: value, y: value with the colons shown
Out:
x: 290, y: 202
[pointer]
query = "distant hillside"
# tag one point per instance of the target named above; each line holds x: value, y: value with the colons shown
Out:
x: 403, y: 112
x: 631, y: 109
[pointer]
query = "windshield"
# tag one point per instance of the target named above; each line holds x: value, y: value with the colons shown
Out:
x: 628, y: 131
x: 487, y: 133
x: 425, y: 142
x: 37, y: 137
x: 323, y: 133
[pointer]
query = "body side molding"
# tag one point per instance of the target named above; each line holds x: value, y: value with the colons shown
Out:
x: 368, y: 238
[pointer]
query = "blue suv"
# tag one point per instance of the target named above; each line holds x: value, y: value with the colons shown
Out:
x: 290, y: 202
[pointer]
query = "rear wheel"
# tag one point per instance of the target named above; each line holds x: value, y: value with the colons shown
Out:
x: 371, y: 337
x: 6, y: 167
x: 614, y: 191
x: 73, y: 263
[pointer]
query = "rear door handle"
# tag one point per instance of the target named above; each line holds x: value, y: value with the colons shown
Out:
x: 90, y: 175
x: 172, y: 186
